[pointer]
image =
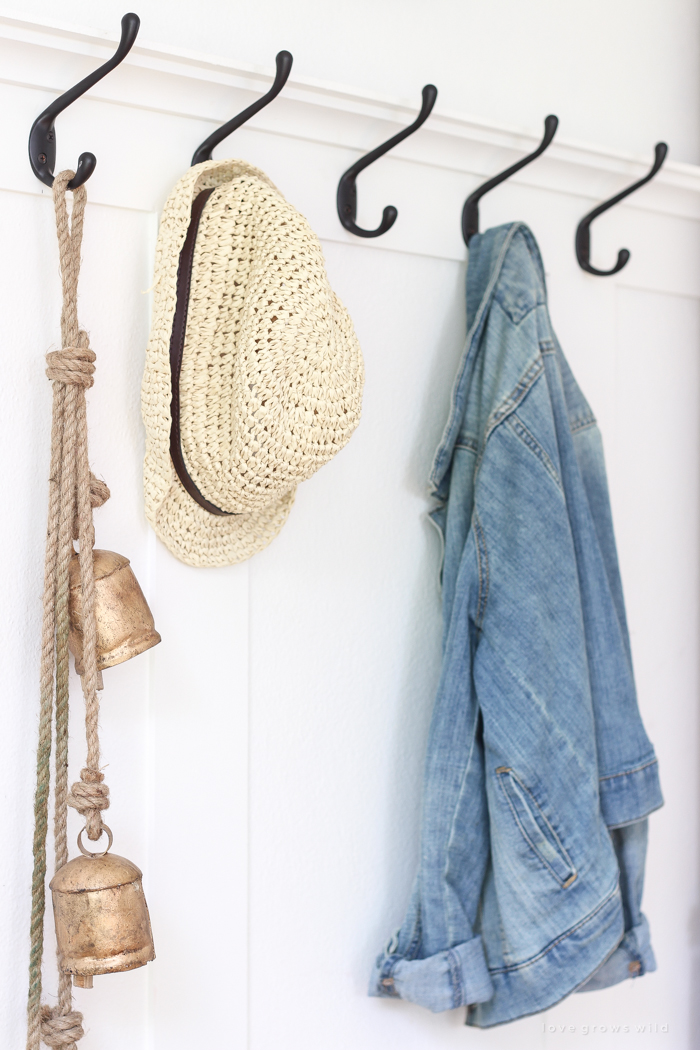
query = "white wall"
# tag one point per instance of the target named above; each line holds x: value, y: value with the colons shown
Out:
x: 265, y: 760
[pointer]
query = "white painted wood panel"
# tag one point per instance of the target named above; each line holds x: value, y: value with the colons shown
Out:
x: 653, y: 452
x: 266, y: 759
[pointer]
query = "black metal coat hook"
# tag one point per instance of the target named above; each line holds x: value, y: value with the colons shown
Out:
x: 470, y: 212
x: 583, y: 231
x: 284, y: 67
x: 347, y: 189
x: 42, y: 137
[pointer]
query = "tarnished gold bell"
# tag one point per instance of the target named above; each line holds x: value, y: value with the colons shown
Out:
x: 101, y: 916
x: 125, y: 625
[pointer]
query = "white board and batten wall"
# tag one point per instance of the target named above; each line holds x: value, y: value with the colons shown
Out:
x: 265, y: 760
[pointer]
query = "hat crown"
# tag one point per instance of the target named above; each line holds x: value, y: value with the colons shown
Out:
x: 271, y: 376
x: 271, y: 369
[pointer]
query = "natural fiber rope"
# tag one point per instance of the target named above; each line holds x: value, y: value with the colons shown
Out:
x: 73, y: 492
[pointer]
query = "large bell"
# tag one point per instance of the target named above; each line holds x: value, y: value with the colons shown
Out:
x: 125, y: 625
x: 101, y: 915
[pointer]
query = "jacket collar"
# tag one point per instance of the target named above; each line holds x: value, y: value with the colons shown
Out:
x: 488, y: 253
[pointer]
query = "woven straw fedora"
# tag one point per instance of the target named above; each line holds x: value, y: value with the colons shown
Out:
x: 253, y: 374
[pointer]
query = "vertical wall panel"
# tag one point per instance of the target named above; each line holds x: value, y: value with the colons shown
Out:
x: 198, y: 855
x: 657, y: 508
x: 653, y: 454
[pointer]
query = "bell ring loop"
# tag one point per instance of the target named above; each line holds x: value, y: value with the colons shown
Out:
x: 86, y: 853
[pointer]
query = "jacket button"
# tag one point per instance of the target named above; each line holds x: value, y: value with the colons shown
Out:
x: 388, y: 982
x: 635, y: 966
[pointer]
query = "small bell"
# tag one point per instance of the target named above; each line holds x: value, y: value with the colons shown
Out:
x: 125, y: 624
x: 101, y: 916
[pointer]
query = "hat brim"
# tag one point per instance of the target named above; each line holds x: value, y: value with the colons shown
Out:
x: 199, y: 538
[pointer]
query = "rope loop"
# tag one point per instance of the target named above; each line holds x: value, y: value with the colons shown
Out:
x: 72, y: 365
x: 61, y: 1030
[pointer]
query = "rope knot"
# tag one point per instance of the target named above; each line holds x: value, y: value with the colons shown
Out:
x: 61, y: 1030
x: 99, y: 494
x: 90, y: 796
x: 73, y: 364
x: 89, y: 793
x: 99, y: 491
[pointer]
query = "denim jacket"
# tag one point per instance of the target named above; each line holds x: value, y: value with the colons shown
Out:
x: 539, y: 774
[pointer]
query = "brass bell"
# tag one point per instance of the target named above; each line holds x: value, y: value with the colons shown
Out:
x: 101, y: 916
x: 125, y: 625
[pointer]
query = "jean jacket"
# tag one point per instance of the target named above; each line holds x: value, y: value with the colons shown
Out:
x: 539, y: 774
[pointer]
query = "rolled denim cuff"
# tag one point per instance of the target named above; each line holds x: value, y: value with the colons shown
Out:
x: 630, y: 796
x: 456, y: 977
x: 633, y: 957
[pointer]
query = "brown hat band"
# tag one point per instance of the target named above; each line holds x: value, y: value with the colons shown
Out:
x: 177, y: 345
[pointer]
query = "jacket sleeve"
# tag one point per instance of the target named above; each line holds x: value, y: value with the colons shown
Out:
x: 627, y: 765
x: 436, y: 959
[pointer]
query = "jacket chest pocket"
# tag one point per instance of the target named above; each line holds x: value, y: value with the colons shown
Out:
x: 536, y: 829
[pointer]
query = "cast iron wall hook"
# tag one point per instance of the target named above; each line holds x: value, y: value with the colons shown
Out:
x: 42, y: 137
x: 470, y: 212
x: 583, y: 231
x: 347, y: 190
x: 284, y: 67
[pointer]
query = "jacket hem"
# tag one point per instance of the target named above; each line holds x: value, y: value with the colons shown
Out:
x: 633, y: 957
x: 567, y: 964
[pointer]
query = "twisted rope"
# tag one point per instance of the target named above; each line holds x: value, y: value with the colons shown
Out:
x: 61, y: 1030
x: 73, y: 492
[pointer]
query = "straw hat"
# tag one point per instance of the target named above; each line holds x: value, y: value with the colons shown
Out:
x: 270, y: 371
